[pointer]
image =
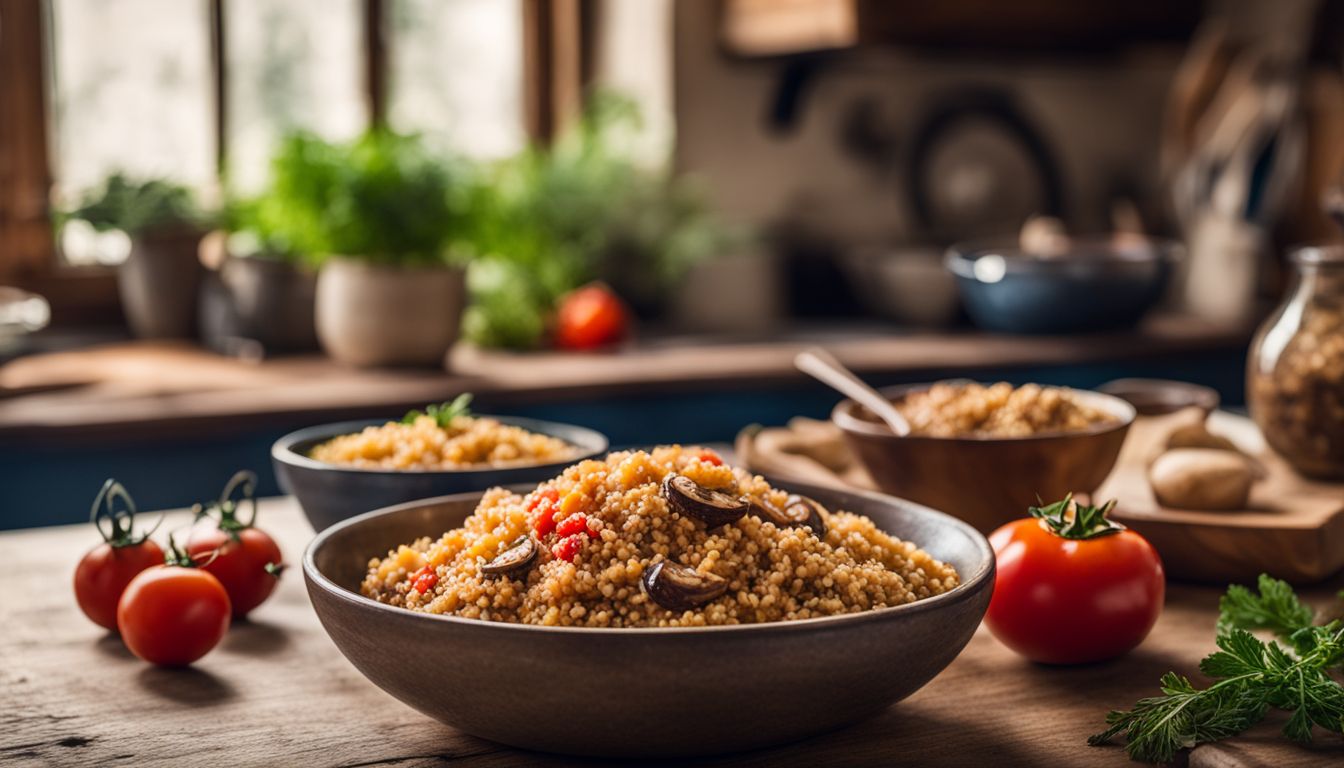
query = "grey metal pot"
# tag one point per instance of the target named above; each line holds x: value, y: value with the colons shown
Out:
x: 159, y: 283
x: 272, y: 301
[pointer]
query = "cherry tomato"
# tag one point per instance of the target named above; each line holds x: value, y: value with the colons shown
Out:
x: 172, y: 615
x: 590, y: 317
x: 245, y: 559
x: 239, y: 559
x: 1072, y: 589
x: 104, y: 572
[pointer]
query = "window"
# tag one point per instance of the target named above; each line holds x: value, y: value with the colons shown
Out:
x: 200, y: 90
x: 289, y: 64
x: 131, y: 91
x: 456, y: 73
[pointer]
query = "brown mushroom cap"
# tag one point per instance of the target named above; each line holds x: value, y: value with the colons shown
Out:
x: 799, y: 511
x: 694, y: 500
x: 679, y: 588
x: 517, y: 557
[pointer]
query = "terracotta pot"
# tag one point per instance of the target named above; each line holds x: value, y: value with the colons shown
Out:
x: 372, y: 315
x: 159, y: 284
x: 272, y: 301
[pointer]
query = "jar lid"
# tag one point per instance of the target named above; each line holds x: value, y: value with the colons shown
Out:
x: 1318, y: 254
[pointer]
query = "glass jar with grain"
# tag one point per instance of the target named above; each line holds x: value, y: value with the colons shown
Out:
x: 1295, y: 371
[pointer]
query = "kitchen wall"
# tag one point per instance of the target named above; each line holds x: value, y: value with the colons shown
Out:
x: 1099, y: 114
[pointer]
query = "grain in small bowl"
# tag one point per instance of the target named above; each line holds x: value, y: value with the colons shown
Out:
x: 340, y: 470
x: 984, y: 453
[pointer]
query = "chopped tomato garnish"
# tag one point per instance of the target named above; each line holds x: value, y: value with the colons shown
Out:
x: 566, y: 548
x: 572, y: 525
x: 424, y: 579
x: 710, y: 457
x: 544, y: 504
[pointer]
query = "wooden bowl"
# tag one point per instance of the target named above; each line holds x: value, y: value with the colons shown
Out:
x: 656, y: 692
x: 330, y: 493
x: 986, y: 481
x: 1158, y: 397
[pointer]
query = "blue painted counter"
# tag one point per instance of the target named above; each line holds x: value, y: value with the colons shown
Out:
x: 50, y: 486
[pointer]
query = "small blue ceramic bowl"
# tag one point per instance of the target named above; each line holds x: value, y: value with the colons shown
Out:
x: 1099, y: 284
x: 330, y: 493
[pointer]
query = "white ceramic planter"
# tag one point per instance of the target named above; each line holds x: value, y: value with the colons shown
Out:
x: 374, y: 315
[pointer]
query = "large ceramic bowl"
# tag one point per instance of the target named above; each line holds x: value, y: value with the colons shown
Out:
x: 986, y: 481
x: 647, y: 693
x: 330, y: 493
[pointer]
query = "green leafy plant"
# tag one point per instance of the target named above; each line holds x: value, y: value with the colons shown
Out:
x: 443, y: 413
x: 549, y: 220
x: 1250, y: 677
x: 139, y: 206
x: 383, y: 197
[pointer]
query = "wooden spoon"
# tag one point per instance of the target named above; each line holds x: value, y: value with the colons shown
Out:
x: 822, y: 365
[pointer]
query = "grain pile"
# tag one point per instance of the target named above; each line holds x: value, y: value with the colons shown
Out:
x: 600, y: 525
x: 423, y: 444
x: 950, y: 409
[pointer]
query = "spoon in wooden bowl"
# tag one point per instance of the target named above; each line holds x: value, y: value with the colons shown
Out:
x: 822, y: 365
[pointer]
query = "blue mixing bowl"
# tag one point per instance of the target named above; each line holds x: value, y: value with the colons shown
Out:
x: 1096, y: 285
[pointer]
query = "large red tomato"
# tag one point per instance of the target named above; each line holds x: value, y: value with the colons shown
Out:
x: 104, y: 572
x: 1073, y: 588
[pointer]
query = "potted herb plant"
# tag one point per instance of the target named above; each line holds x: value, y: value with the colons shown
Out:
x: 551, y: 220
x: 160, y: 280
x: 376, y: 215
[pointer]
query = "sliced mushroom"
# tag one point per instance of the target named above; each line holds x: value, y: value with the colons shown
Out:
x: 694, y: 500
x: 517, y: 557
x: 678, y: 588
x: 798, y: 511
x: 805, y: 511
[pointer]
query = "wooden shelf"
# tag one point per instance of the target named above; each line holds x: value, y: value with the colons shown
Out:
x: 154, y: 390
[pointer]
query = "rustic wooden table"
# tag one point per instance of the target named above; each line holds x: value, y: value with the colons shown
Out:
x: 277, y: 692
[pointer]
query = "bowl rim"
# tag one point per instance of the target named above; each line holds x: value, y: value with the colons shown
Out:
x: 960, y: 258
x: 968, y: 588
x: 842, y: 415
x: 283, y: 451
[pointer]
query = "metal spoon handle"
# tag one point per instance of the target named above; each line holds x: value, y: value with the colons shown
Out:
x: 823, y: 366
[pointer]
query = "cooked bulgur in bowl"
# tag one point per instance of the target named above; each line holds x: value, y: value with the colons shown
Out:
x: 970, y: 409
x: 443, y: 437
x: 662, y: 538
x: 425, y: 444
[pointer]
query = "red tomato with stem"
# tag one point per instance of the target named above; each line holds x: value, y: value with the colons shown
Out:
x: 245, y: 559
x: 173, y: 614
x: 590, y: 317
x: 1073, y: 588
x: 104, y: 572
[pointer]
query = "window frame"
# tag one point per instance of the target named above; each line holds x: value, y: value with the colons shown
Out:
x: 557, y: 67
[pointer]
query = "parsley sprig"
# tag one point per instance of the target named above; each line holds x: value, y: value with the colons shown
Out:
x: 1250, y: 676
x: 443, y: 413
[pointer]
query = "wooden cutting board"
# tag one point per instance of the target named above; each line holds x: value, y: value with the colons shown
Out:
x: 1292, y: 528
